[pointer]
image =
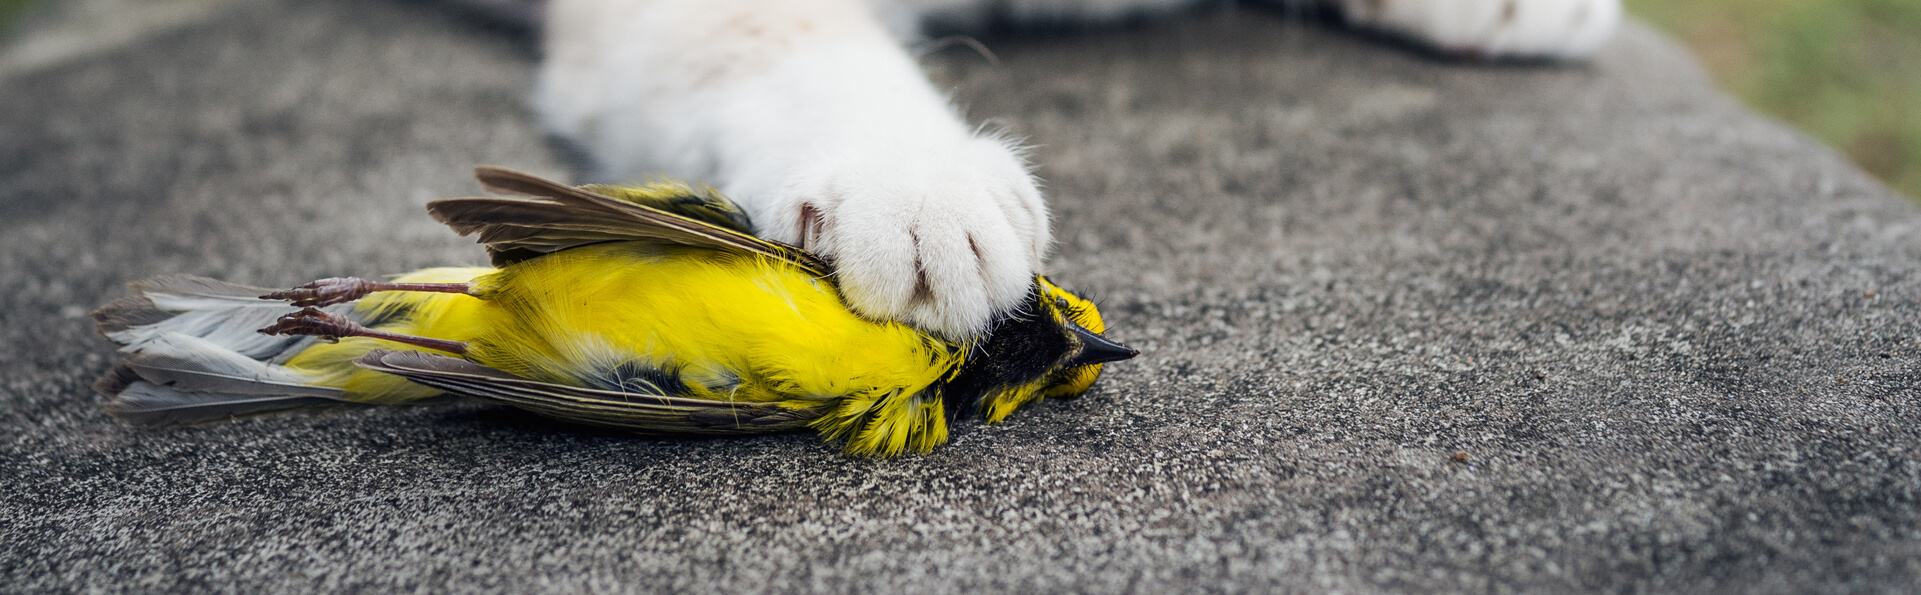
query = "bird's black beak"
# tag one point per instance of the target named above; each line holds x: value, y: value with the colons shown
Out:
x: 1096, y: 349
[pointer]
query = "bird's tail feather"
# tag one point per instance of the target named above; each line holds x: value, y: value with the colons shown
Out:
x: 193, y: 352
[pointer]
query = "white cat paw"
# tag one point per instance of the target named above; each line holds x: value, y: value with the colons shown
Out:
x: 1495, y: 28
x: 944, y: 237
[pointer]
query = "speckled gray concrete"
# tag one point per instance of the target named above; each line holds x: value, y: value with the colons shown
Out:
x: 1677, y: 342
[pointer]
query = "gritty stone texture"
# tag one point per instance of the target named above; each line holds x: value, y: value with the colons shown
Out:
x: 1407, y: 327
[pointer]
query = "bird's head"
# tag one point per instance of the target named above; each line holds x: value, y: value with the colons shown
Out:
x: 1050, y: 347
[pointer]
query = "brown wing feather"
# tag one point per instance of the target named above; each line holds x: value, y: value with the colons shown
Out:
x: 664, y: 414
x: 562, y: 217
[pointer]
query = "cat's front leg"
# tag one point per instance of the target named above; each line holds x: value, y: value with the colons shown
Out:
x: 814, y: 118
x: 1494, y: 28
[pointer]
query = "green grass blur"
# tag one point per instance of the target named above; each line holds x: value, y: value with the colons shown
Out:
x: 1845, y: 71
x: 10, y: 9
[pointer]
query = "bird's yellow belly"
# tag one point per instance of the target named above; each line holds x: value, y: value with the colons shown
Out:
x: 644, y: 318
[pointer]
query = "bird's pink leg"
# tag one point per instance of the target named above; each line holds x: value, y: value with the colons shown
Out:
x: 340, y: 290
x: 331, y: 327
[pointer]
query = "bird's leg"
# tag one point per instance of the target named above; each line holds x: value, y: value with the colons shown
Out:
x: 340, y: 290
x: 332, y: 327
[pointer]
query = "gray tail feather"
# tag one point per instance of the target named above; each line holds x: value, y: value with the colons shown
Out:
x: 228, y: 314
x: 159, y: 404
x: 139, y: 308
x: 193, y: 352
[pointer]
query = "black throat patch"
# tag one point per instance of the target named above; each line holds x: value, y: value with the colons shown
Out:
x: 1020, y: 349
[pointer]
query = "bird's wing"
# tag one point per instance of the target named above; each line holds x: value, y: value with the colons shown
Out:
x: 654, y: 413
x: 699, y: 204
x: 557, y: 217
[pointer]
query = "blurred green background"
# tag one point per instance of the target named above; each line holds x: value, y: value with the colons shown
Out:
x: 1845, y: 71
x: 9, y: 9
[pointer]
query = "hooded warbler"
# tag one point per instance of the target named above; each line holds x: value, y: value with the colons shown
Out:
x: 651, y: 308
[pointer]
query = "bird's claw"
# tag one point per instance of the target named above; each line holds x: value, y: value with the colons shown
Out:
x: 313, y: 322
x: 325, y: 292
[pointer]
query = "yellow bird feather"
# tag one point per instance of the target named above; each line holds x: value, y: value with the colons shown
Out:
x: 647, y: 307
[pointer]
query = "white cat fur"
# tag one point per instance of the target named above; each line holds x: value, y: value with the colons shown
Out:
x: 815, y: 118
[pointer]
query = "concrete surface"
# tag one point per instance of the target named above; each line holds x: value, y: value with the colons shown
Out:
x: 1676, y: 342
